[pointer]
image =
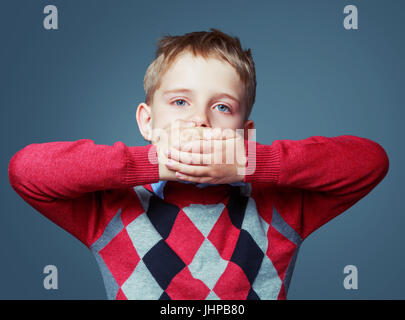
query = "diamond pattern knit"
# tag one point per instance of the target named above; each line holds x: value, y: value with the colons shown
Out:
x: 170, y: 248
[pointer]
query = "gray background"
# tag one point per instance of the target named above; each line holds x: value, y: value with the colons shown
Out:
x: 314, y: 78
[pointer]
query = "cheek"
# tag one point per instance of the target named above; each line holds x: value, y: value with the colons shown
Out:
x: 228, y: 122
x: 165, y: 119
x: 162, y: 116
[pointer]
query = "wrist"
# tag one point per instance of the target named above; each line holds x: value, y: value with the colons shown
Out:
x: 263, y: 163
x: 142, y: 165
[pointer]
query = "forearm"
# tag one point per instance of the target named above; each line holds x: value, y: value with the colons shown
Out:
x: 336, y: 165
x: 66, y: 170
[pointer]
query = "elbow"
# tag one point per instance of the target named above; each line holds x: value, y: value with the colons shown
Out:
x: 19, y: 169
x: 15, y: 169
x: 385, y: 162
x: 381, y: 161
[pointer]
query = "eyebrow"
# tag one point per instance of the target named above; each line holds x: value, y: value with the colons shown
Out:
x: 185, y: 90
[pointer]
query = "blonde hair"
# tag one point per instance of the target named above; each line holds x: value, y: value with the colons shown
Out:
x: 213, y: 43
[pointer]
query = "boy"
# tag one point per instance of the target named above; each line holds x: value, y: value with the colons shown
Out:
x: 191, y: 228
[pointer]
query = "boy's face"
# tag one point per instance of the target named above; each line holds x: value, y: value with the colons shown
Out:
x: 208, y: 92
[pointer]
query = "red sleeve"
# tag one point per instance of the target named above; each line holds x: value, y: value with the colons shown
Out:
x: 333, y: 173
x: 64, y: 180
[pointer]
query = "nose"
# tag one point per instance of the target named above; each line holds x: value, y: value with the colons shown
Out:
x: 200, y: 123
x: 200, y: 118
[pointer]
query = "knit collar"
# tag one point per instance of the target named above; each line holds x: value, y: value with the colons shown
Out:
x: 158, y: 187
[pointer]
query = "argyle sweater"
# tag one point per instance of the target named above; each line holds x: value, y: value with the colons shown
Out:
x: 173, y: 240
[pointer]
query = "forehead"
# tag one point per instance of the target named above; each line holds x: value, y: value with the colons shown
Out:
x: 199, y: 73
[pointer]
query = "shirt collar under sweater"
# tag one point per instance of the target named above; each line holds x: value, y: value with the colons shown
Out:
x: 158, y: 187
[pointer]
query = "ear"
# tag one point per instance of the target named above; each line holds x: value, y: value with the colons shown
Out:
x: 144, y: 119
x: 249, y: 124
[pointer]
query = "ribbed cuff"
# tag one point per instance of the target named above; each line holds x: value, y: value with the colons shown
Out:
x: 263, y: 163
x: 142, y: 166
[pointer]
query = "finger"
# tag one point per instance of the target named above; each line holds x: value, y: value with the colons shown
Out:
x: 182, y: 123
x: 183, y: 133
x: 228, y: 133
x: 174, y: 127
x: 190, y: 157
x: 188, y: 169
x: 199, y: 139
x: 204, y: 145
x: 203, y: 133
x: 195, y: 146
x: 189, y: 133
x: 212, y: 146
x: 185, y: 177
x: 218, y: 133
x: 162, y: 157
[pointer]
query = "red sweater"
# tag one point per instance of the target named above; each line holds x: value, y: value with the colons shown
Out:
x: 218, y: 242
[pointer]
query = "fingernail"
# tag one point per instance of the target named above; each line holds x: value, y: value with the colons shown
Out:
x: 190, y: 124
x: 178, y: 174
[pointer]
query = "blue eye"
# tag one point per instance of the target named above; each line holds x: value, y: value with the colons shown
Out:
x: 180, y: 105
x: 223, y: 108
